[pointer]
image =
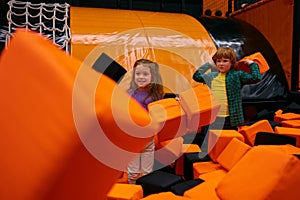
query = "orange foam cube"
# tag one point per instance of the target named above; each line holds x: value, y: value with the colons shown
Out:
x: 219, y: 139
x: 171, y: 117
x: 200, y: 106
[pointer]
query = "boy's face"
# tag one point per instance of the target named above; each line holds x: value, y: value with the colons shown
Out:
x: 223, y: 64
x: 142, y: 76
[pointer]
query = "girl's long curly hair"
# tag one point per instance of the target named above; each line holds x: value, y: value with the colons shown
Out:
x: 155, y: 88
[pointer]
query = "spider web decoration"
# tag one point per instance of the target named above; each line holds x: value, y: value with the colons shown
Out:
x: 50, y: 20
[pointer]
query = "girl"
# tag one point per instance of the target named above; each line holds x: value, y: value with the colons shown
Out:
x: 226, y: 84
x: 145, y: 87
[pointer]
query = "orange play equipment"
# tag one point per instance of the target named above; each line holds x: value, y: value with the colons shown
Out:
x: 127, y: 35
x: 51, y: 144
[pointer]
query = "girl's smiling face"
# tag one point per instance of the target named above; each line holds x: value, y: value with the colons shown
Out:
x: 223, y: 64
x: 142, y: 76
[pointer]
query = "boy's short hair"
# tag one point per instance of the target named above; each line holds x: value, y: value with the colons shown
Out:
x: 226, y: 52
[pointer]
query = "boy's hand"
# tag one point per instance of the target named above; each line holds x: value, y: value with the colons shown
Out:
x: 248, y: 62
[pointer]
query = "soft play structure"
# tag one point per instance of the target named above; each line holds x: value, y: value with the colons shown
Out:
x: 69, y: 128
x: 179, y: 48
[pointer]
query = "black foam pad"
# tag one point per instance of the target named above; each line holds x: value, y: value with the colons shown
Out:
x: 268, y: 138
x: 180, y: 188
x: 189, y: 159
x: 158, y: 181
x: 107, y: 66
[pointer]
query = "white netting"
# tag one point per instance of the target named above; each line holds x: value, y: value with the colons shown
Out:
x: 50, y: 20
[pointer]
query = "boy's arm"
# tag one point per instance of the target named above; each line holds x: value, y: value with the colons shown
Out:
x: 198, y: 75
x: 254, y: 76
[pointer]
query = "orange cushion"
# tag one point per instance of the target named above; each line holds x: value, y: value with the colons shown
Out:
x: 121, y: 191
x: 47, y: 155
x: 287, y: 148
x: 172, y: 119
x: 262, y: 174
x: 256, y: 57
x: 200, y: 168
x: 214, y: 176
x: 232, y: 153
x: 190, y: 148
x: 294, y: 132
x: 165, y: 195
x: 123, y: 178
x: 280, y: 116
x: 291, y: 123
x: 205, y: 190
x: 186, y: 148
x: 218, y: 140
x: 200, y: 106
x: 169, y: 151
x: 249, y: 132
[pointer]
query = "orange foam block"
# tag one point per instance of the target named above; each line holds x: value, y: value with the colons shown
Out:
x: 165, y: 195
x: 256, y: 57
x: 262, y: 174
x: 219, y: 139
x: 169, y: 151
x: 200, y: 105
x: 200, y: 168
x: 232, y: 153
x: 294, y: 132
x: 50, y: 126
x: 291, y: 123
x: 249, y: 132
x: 280, y: 116
x: 205, y: 190
x: 214, y: 176
x: 287, y: 148
x: 171, y: 117
x: 120, y: 191
x: 186, y: 148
